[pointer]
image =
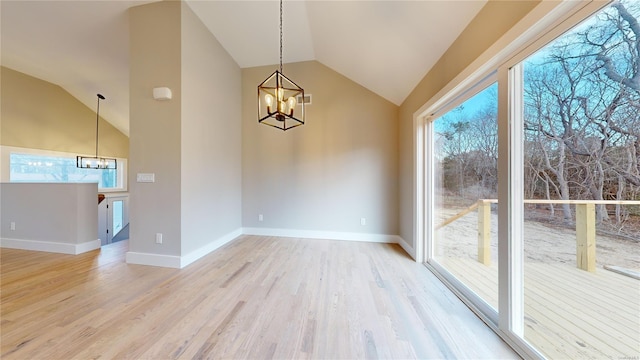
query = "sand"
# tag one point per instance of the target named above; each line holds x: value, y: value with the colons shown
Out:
x: 544, y: 243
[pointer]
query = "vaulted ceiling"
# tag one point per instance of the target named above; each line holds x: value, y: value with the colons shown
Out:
x: 385, y: 46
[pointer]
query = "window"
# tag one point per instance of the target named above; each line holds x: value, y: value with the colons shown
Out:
x: 567, y: 198
x: 465, y: 165
x: 581, y: 129
x: 29, y: 165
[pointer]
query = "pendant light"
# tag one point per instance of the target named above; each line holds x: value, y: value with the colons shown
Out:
x: 278, y: 98
x: 96, y: 162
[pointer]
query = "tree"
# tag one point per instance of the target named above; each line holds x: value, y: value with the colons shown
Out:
x: 582, y: 109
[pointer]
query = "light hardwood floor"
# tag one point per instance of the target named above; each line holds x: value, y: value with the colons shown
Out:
x: 256, y: 298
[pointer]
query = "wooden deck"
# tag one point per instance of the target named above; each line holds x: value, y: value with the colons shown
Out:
x: 569, y: 313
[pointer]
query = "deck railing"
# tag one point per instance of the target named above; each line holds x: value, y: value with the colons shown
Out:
x: 585, y: 227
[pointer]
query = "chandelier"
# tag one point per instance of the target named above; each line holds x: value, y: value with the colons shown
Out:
x: 96, y: 162
x: 278, y: 98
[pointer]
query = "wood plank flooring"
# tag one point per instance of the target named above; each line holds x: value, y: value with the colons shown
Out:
x: 256, y: 298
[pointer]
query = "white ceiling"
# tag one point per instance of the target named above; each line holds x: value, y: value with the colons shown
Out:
x: 385, y: 46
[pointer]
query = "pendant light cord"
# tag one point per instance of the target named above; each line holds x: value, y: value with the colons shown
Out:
x: 281, y: 36
x: 97, y: 122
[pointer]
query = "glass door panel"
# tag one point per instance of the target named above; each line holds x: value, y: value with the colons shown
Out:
x: 118, y: 217
x: 581, y: 190
x: 465, y: 155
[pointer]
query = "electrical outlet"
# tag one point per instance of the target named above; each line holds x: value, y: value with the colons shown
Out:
x: 13, y: 225
x: 260, y: 217
x: 363, y: 221
x: 159, y: 238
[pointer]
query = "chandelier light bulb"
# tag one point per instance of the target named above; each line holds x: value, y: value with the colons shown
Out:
x: 269, y: 100
x: 292, y: 104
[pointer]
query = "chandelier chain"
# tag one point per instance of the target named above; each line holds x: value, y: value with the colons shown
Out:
x: 280, y: 36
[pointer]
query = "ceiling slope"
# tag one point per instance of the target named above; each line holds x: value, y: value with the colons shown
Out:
x: 385, y: 46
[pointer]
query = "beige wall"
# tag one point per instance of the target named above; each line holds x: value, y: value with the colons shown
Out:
x: 155, y: 130
x: 191, y: 142
x: 493, y: 21
x: 39, y: 115
x: 353, y: 158
x: 340, y: 166
x: 49, y: 217
x: 210, y: 129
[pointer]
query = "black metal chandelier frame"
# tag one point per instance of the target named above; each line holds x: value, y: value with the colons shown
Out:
x: 96, y: 162
x: 277, y: 98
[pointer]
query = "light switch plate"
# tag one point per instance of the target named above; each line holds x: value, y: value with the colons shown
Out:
x: 148, y: 178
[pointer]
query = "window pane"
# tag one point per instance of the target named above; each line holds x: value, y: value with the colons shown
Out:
x: 46, y: 168
x: 582, y: 143
x: 465, y: 188
x: 117, y: 221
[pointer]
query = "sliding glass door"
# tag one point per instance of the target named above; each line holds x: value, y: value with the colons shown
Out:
x: 581, y: 148
x: 532, y: 189
x: 464, y: 161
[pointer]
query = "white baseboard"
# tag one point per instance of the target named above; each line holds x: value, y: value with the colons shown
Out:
x: 88, y: 246
x: 328, y: 235
x: 408, y: 248
x: 138, y: 258
x: 197, y: 254
x: 49, y: 246
x: 179, y: 262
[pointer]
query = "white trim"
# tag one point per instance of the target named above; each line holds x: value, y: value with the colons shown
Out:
x: 570, y: 13
x: 50, y: 246
x: 180, y: 262
x: 489, y: 314
x: 511, y: 195
x: 407, y: 248
x: 5, y: 170
x: 429, y: 193
x: 212, y: 246
x: 170, y: 261
x: 546, y: 15
x: 546, y: 21
x: 462, y: 95
x: 419, y: 185
x: 87, y: 246
x: 519, y: 346
x: 328, y: 235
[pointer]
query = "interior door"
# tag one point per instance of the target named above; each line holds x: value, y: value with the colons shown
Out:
x: 116, y: 217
